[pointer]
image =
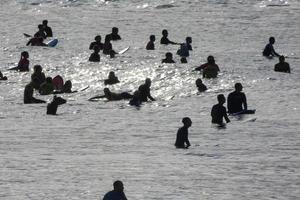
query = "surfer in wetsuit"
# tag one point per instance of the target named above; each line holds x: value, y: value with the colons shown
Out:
x: 97, y: 42
x: 269, y: 49
x: 168, y: 59
x: 182, y: 140
x: 38, y: 77
x: 40, y: 32
x: 210, y: 69
x: 36, y: 41
x: 236, y: 100
x: 150, y: 45
x: 218, y: 111
x: 117, y: 193
x: 114, y: 35
x: 95, y: 56
x: 201, y: 87
x: 111, y: 96
x: 112, y: 79
x: 47, y: 29
x: 282, y: 66
x: 23, y: 65
x: 144, y: 91
x: 28, y: 95
x: 164, y: 39
x: 107, y: 47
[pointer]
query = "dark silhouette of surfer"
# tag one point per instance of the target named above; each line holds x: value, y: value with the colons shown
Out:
x: 38, y: 77
x: 201, y: 87
x: 144, y: 91
x: 282, y: 66
x: 165, y: 40
x: 47, y: 29
x: 53, y: 105
x: 28, y: 95
x: 95, y: 56
x: 117, y: 193
x: 114, y: 35
x: 182, y: 140
x: 236, y: 100
x: 97, y: 42
x: 150, y: 45
x: 269, y: 49
x: 210, y: 69
x: 23, y: 65
x: 111, y: 96
x: 218, y: 112
x: 112, y: 79
x: 168, y: 59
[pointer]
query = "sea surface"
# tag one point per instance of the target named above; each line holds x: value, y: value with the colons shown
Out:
x: 80, y: 152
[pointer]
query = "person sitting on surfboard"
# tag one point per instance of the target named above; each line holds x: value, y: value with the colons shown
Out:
x: 269, y: 49
x: 144, y: 91
x: 67, y: 88
x: 47, y: 29
x: 236, y: 100
x: 201, y: 87
x: 28, y: 95
x: 36, y: 41
x: 182, y: 140
x: 218, y: 111
x: 168, y: 59
x: 164, y: 39
x: 112, y: 79
x: 107, y: 47
x: 150, y: 45
x: 52, y: 107
x: 97, y: 42
x: 47, y: 87
x: 2, y: 78
x: 95, y: 56
x: 40, y: 32
x: 117, y: 193
x: 111, y: 96
x: 23, y: 65
x: 210, y: 69
x: 38, y: 77
x: 114, y: 35
x: 282, y: 66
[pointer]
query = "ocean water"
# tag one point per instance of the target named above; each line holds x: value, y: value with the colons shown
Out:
x: 88, y: 145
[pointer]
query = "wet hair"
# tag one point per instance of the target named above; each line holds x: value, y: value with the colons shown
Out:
x: 97, y: 37
x: 237, y: 85
x: 37, y: 68
x: 211, y: 59
x: 152, y: 37
x: 188, y: 39
x: 114, y: 30
x: 117, y: 184
x: 186, y: 120
x: 198, y: 81
x: 281, y: 58
x: 111, y: 74
x: 169, y: 55
x: 271, y: 39
x: 148, y: 80
x: 164, y: 32
x: 24, y: 54
x: 221, y: 97
x: 45, y: 22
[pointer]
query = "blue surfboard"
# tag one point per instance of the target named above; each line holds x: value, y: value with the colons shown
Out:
x: 52, y: 43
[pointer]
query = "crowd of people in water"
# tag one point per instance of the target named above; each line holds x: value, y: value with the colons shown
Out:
x: 236, y: 101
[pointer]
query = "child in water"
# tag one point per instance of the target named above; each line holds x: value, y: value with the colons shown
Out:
x: 182, y: 140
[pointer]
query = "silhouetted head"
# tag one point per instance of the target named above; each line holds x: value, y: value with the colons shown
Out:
x: 115, y: 30
x: 211, y: 60
x: 281, y: 59
x: 165, y: 33
x: 152, y: 38
x: 111, y: 75
x: 37, y: 68
x: 148, y: 82
x: 188, y: 40
x: 25, y: 54
x: 187, y: 122
x: 41, y: 27
x: 45, y: 22
x: 198, y: 82
x: 107, y: 39
x: 272, y: 40
x: 221, y: 99
x: 98, y: 38
x: 238, y: 87
x: 49, y: 80
x: 67, y: 86
x: 169, y: 55
x: 96, y: 49
x: 118, y: 186
x: 106, y: 91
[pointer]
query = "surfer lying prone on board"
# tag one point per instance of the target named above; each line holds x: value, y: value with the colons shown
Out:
x: 111, y: 96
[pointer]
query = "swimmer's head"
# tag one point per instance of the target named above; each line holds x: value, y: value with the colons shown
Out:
x: 152, y: 38
x: 25, y: 54
x: 187, y: 122
x: 272, y: 40
x: 188, y: 40
x: 281, y: 59
x: 221, y: 98
x: 98, y: 38
x: 169, y: 55
x: 115, y: 30
x: 238, y: 87
x: 164, y: 32
x: 118, y: 186
x: 211, y: 59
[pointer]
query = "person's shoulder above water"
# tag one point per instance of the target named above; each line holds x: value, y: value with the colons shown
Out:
x: 114, y: 35
x: 168, y: 59
x: 164, y: 39
x: 117, y: 193
x: 150, y: 45
x: 95, y: 57
x: 282, y: 66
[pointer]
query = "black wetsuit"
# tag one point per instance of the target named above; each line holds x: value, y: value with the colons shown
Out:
x: 114, y: 36
x: 218, y: 111
x: 40, y: 34
x: 38, y: 79
x: 52, y: 107
x: 94, y: 57
x: 145, y: 93
x: 269, y: 51
x: 28, y: 95
x: 282, y: 67
x: 93, y: 44
x: 167, y: 61
x: 165, y: 40
x: 48, y: 31
x: 111, y: 81
x: 202, y: 88
x: 182, y: 138
x: 150, y: 46
x: 235, y: 102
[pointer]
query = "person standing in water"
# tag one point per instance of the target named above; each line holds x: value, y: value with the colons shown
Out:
x: 114, y: 35
x: 117, y: 193
x: 236, y: 100
x: 210, y: 69
x: 218, y: 112
x: 282, y: 66
x: 164, y: 39
x: 97, y: 42
x: 47, y: 29
x: 168, y: 59
x: 150, y: 45
x: 269, y: 49
x: 95, y: 56
x: 182, y: 140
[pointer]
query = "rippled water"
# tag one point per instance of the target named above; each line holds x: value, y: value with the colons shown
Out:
x: 80, y: 152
